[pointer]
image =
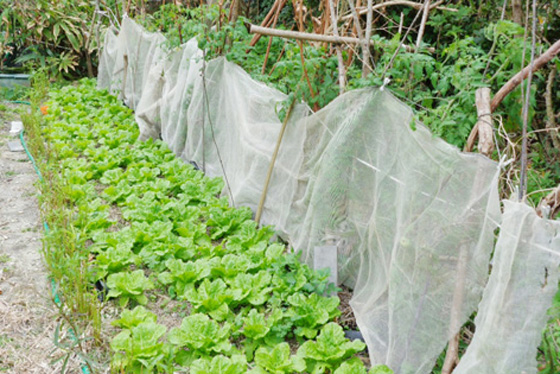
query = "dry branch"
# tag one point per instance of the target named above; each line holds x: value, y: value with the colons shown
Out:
x: 520, y: 77
x: 341, y: 67
x: 549, y: 207
x: 366, y: 69
x: 278, y: 5
x: 254, y: 29
x: 452, y: 355
x: 278, y: 9
x: 411, y: 4
x: 551, y: 120
x: 512, y: 84
x: 425, y: 13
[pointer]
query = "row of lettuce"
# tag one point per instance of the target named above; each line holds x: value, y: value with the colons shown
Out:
x: 151, y: 227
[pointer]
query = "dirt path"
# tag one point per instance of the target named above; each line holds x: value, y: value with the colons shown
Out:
x: 27, y: 315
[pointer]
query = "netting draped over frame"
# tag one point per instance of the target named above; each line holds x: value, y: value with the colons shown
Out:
x: 522, y: 284
x: 412, y: 217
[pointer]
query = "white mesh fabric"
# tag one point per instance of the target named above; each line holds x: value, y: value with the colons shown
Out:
x: 142, y: 49
x: 227, y: 110
x: 522, y: 284
x: 180, y: 73
x: 106, y: 74
x: 412, y: 217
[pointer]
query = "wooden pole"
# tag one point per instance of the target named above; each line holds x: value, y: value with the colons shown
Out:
x: 270, y: 41
x: 513, y: 83
x: 273, y: 162
x: 125, y: 74
x: 366, y: 68
x: 341, y: 67
x: 425, y: 13
x: 551, y: 120
x: 483, y: 126
x: 253, y: 29
x: 278, y: 4
x: 411, y: 4
x: 286, y: 34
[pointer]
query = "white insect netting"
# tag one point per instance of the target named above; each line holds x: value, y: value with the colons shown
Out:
x: 522, y: 284
x: 412, y: 217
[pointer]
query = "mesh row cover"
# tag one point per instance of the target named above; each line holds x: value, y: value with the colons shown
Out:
x: 412, y: 217
x: 522, y: 284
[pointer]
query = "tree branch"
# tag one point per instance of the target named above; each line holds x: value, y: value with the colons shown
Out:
x: 254, y: 29
x: 366, y: 69
x: 520, y: 77
x: 411, y: 4
x: 425, y: 13
x: 551, y: 120
x: 341, y: 67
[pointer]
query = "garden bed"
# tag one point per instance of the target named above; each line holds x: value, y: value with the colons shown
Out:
x: 156, y: 271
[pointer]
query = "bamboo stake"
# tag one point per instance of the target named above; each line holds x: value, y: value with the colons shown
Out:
x: 551, y: 120
x: 356, y: 21
x: 463, y: 259
x: 423, y: 24
x: 273, y: 162
x: 270, y: 41
x: 341, y: 68
x: 452, y: 353
x: 412, y: 4
x: 524, y: 141
x: 125, y: 75
x: 266, y: 21
x: 254, y: 29
x: 286, y: 34
x: 366, y: 68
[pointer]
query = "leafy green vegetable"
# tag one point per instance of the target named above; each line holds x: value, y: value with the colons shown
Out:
x: 132, y: 318
x: 277, y: 360
x: 255, y: 325
x: 248, y: 294
x: 129, y: 286
x: 211, y: 297
x: 202, y: 336
x: 182, y: 274
x: 380, y: 369
x: 252, y: 288
x: 115, y: 259
x: 237, y: 364
x: 311, y: 312
x: 329, y: 350
x: 352, y: 366
x: 138, y: 349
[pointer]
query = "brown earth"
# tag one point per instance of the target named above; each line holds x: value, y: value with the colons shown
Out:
x: 28, y: 317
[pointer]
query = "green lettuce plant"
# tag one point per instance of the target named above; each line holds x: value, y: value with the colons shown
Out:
x: 129, y: 286
x: 329, y: 350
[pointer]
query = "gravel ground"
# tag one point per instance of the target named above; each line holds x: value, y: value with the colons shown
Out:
x: 28, y: 317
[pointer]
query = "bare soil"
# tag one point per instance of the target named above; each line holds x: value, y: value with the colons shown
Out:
x: 28, y: 317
